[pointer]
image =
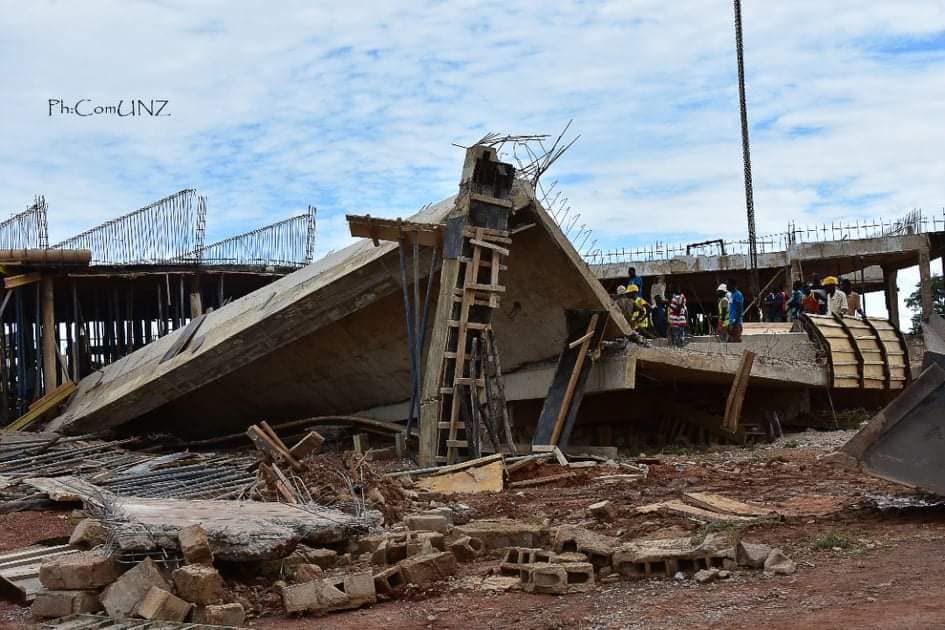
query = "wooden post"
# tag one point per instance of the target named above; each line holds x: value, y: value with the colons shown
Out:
x: 196, y: 303
x: 49, y: 335
x: 890, y: 277
x: 432, y: 376
x: 572, y: 382
x: 361, y: 443
x: 736, y: 395
x: 400, y: 444
x: 925, y: 283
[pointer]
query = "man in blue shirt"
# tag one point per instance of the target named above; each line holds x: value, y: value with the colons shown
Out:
x: 735, y: 308
x: 634, y: 279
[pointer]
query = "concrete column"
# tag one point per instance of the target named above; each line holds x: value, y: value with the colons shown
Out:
x: 890, y: 277
x: 925, y: 283
x: 196, y: 303
x: 48, y: 334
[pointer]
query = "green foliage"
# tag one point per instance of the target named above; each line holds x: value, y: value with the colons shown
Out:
x: 914, y: 302
x: 833, y: 539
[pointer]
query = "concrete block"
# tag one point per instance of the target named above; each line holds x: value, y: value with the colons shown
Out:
x: 359, y: 587
x: 122, y: 596
x: 544, y: 578
x: 199, y: 584
x: 467, y: 548
x: 599, y: 549
x: 78, y: 571
x: 370, y: 543
x: 61, y: 603
x: 428, y: 522
x: 159, y: 605
x: 219, y: 615
x: 580, y: 576
x: 428, y: 568
x: 751, y: 555
x: 704, y: 576
x: 88, y: 533
x: 314, y: 596
x: 500, y: 533
x: 194, y: 545
x: 390, y: 580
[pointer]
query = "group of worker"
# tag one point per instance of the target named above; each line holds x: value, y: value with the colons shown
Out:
x: 669, y: 318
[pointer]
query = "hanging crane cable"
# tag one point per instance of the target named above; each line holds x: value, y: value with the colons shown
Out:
x: 746, y: 155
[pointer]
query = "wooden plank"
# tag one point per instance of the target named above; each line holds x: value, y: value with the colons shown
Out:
x: 678, y: 507
x: 724, y: 505
x: 439, y: 470
x: 540, y: 481
x: 308, y: 445
x: 736, y: 395
x: 572, y: 382
x: 12, y: 282
x: 366, y: 226
x: 264, y: 443
x: 43, y: 406
x: 492, y: 246
x: 477, y: 479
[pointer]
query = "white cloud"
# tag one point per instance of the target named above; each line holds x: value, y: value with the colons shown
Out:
x: 352, y: 107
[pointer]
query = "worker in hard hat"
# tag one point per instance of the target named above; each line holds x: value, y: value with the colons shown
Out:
x: 723, y: 297
x: 640, y: 316
x: 836, y: 299
x: 624, y: 302
x: 627, y: 303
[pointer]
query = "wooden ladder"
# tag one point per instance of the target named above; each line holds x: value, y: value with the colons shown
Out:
x: 475, y: 295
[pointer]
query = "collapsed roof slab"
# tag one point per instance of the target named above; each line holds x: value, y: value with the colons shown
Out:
x: 329, y: 339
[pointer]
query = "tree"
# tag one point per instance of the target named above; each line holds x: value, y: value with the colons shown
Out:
x: 914, y: 302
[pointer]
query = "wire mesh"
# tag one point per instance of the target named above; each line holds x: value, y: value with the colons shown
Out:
x: 168, y: 229
x: 27, y: 229
x: 287, y: 243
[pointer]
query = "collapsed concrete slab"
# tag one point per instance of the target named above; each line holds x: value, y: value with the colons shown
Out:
x: 331, y: 339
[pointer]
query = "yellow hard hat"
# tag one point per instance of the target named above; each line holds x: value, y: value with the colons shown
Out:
x: 633, y: 288
x: 829, y: 280
x: 621, y: 290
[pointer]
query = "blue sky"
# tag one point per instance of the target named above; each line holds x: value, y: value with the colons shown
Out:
x: 352, y: 107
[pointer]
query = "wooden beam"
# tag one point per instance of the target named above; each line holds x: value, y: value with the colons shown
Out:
x: 572, y: 382
x: 736, y: 395
x: 366, y: 226
x: 48, y: 334
x: 12, y: 282
x: 43, y: 406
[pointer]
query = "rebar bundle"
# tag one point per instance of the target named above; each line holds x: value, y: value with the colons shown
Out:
x: 168, y: 229
x: 286, y: 243
x: 27, y: 229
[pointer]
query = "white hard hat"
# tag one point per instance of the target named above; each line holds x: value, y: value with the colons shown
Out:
x: 722, y: 287
x: 621, y: 290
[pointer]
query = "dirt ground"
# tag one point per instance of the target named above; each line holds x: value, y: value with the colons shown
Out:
x: 857, y: 566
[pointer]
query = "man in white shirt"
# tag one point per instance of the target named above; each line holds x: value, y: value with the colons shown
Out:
x: 836, y: 299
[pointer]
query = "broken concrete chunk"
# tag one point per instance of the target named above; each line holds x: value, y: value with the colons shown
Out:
x: 557, y: 578
x: 390, y: 581
x: 602, y: 510
x: 78, y: 571
x: 324, y: 558
x: 199, y: 584
x: 123, y: 595
x: 751, y: 555
x: 88, y: 533
x: 428, y: 522
x: 428, y: 568
x: 194, y: 545
x: 159, y: 605
x: 220, y: 614
x: 704, y: 576
x: 598, y: 548
x: 321, y: 596
x: 467, y: 548
x: 306, y: 573
x: 501, y: 533
x: 779, y: 564
x: 61, y: 603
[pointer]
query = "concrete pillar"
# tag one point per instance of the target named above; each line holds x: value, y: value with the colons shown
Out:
x: 890, y: 277
x: 196, y: 303
x: 48, y: 334
x: 925, y: 283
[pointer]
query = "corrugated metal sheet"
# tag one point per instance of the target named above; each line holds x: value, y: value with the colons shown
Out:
x: 19, y: 570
